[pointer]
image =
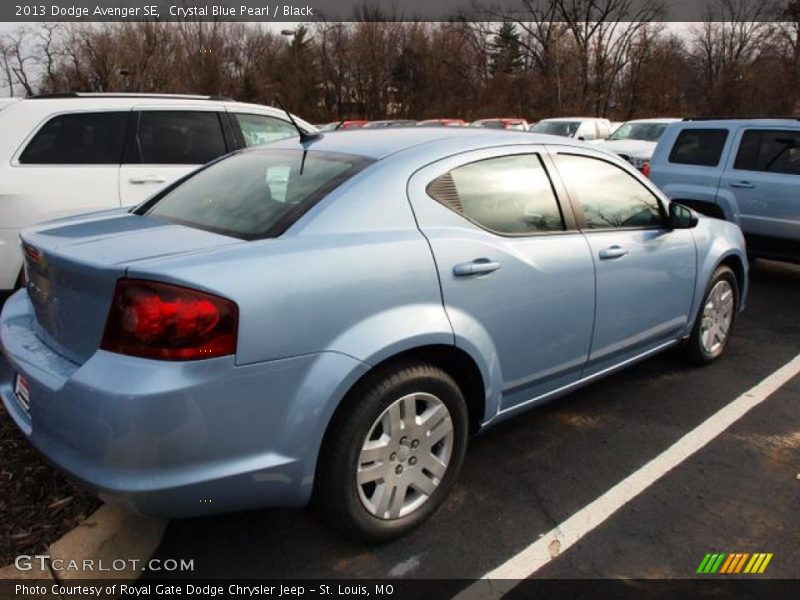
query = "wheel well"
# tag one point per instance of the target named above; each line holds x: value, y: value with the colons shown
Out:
x: 736, y: 265
x: 455, y: 362
x: 709, y: 209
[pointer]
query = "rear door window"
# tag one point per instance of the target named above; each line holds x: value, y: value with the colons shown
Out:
x: 510, y: 195
x: 769, y: 151
x: 254, y: 194
x: 701, y: 147
x: 173, y: 137
x: 78, y: 139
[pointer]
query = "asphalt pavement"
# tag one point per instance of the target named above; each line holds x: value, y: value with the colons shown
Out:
x: 524, y: 477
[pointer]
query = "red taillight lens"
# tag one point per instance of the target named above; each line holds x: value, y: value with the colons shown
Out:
x: 169, y: 322
x: 646, y: 169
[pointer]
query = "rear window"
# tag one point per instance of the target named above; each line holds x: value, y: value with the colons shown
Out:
x: 562, y: 128
x: 701, y: 147
x: 78, y: 139
x: 254, y: 194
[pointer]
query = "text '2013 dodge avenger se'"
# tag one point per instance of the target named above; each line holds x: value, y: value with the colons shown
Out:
x: 332, y: 317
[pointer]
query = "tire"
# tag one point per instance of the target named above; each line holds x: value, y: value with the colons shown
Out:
x: 371, y: 434
x: 715, y: 320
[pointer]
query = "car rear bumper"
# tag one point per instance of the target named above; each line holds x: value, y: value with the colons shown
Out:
x: 174, y: 438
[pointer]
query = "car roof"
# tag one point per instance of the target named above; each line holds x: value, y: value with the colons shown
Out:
x: 46, y: 104
x: 706, y: 122
x: 378, y: 144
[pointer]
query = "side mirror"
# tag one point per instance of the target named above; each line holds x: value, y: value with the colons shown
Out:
x: 681, y: 217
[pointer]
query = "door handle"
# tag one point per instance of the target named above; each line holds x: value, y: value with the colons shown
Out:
x: 613, y: 252
x: 144, y: 180
x: 742, y: 184
x: 479, y: 266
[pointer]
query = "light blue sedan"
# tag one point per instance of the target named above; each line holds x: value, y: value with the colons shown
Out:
x: 334, y: 317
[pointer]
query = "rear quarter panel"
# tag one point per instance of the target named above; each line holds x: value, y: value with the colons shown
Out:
x: 354, y: 275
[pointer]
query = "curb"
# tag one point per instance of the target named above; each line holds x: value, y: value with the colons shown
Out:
x: 110, y: 534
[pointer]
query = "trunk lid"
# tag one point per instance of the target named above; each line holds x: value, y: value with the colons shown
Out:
x: 73, y: 266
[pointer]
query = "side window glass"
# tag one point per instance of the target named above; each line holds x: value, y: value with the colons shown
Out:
x: 78, y: 139
x: 701, y: 147
x: 507, y: 195
x: 769, y: 151
x: 178, y: 138
x: 609, y: 197
x: 260, y: 129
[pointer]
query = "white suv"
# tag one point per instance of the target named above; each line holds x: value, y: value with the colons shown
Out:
x: 64, y: 154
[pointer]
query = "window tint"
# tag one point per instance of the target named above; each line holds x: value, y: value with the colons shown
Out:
x: 510, y: 195
x: 698, y: 147
x: 254, y: 194
x: 772, y: 151
x: 260, y: 129
x: 178, y: 138
x: 80, y: 138
x: 609, y: 197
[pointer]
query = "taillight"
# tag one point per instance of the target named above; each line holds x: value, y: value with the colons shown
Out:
x: 646, y: 169
x: 169, y: 322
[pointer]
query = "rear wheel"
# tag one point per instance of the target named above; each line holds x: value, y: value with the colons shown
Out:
x: 393, y: 452
x: 714, y: 323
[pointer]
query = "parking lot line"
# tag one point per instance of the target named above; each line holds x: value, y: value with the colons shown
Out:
x: 504, y: 578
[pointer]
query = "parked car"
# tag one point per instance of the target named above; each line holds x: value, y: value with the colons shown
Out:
x: 502, y: 123
x: 746, y: 171
x: 578, y: 128
x: 347, y: 124
x: 616, y: 125
x: 390, y: 123
x: 65, y: 154
x: 258, y: 333
x: 443, y: 123
x: 636, y: 140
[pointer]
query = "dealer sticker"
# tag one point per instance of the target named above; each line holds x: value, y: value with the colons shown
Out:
x: 22, y: 394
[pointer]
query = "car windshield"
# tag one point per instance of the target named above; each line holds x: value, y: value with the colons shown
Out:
x: 254, y: 194
x: 562, y: 128
x: 646, y: 132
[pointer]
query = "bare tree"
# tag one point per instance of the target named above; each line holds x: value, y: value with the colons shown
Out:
x: 726, y: 45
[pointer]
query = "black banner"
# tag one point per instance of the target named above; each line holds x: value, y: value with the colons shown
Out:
x: 407, y: 589
x: 388, y: 10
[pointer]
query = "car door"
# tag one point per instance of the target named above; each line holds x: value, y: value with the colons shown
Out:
x: 69, y: 165
x: 517, y: 278
x: 764, y: 177
x: 166, y: 143
x: 645, y: 271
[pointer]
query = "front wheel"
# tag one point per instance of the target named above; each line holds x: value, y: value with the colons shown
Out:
x: 714, y: 323
x: 392, y: 452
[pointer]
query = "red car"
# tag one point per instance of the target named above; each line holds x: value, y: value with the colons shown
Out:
x: 442, y: 123
x: 342, y: 125
x: 502, y: 123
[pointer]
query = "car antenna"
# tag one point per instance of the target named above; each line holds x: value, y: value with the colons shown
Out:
x: 304, y: 135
